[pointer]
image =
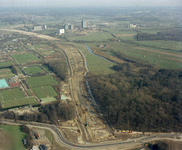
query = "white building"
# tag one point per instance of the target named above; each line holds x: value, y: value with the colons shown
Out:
x: 61, y: 31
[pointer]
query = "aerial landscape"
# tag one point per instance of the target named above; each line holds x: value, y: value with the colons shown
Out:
x: 96, y: 75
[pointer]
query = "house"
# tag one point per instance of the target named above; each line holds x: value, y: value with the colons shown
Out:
x: 43, y: 147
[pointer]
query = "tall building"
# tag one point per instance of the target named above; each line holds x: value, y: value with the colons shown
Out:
x: 84, y: 24
x: 66, y: 27
x: 61, y: 31
x: 71, y: 27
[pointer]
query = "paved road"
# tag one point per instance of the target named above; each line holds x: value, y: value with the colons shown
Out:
x: 89, y: 145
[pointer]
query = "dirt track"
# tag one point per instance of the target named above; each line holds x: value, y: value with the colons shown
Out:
x: 159, y: 52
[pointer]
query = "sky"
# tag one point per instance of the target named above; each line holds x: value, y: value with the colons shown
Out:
x: 92, y: 3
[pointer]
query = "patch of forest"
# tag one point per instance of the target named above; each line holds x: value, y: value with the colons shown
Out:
x: 169, y: 35
x: 49, y: 113
x: 139, y: 97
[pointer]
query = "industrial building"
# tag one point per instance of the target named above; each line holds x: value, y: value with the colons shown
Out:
x: 60, y: 31
x: 132, y: 26
x: 37, y: 28
x: 84, y: 24
x: 45, y: 26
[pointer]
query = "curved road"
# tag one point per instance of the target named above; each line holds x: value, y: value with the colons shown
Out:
x: 89, y: 145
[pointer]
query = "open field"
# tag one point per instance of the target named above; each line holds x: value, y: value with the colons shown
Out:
x: 174, y: 45
x: 154, y: 56
x: 12, y: 94
x: 48, y: 99
x: 96, y: 64
x: 11, y: 138
x: 25, y: 58
x: 93, y: 36
x: 44, y: 91
x: 19, y: 102
x: 3, y: 64
x: 41, y: 81
x: 6, y: 73
x: 33, y: 70
x: 1, y: 99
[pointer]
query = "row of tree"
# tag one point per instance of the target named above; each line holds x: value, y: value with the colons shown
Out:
x: 147, y: 99
x: 169, y: 35
x: 29, y: 137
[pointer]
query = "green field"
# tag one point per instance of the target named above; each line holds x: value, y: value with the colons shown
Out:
x: 93, y: 36
x: 6, y: 73
x: 44, y: 91
x: 33, y: 70
x: 12, y: 94
x: 25, y: 58
x: 174, y: 45
x: 19, y: 102
x: 3, y: 64
x: 41, y: 81
x: 11, y: 137
x: 1, y: 99
x: 48, y: 99
x: 96, y: 64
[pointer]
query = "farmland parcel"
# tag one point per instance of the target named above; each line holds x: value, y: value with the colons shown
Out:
x: 26, y: 58
x: 41, y: 81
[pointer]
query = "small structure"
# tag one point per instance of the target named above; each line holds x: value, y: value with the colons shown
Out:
x: 61, y: 31
x: 24, y: 141
x: 43, y: 147
x: 37, y: 28
x: 37, y: 136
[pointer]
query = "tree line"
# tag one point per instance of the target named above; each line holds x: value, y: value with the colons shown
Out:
x: 140, y: 97
x: 169, y: 35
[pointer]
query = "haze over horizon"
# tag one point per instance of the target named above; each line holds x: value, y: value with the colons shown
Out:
x: 91, y: 3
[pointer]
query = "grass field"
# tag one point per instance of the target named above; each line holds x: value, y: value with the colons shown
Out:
x: 48, y: 99
x: 25, y: 58
x: 45, y: 91
x: 33, y: 70
x: 1, y: 99
x: 11, y: 138
x: 6, y: 73
x: 96, y: 64
x: 41, y: 81
x: 3, y: 64
x: 12, y: 94
x: 93, y: 36
x: 19, y: 102
x: 152, y: 56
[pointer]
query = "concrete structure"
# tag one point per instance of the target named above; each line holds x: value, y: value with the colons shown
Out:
x: 84, y: 24
x: 45, y: 26
x: 132, y: 26
x: 61, y: 31
x: 37, y: 28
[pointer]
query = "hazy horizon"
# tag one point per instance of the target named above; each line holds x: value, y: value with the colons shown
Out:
x: 91, y: 3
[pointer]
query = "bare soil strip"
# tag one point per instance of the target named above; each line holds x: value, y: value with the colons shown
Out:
x: 124, y: 35
x: 159, y: 52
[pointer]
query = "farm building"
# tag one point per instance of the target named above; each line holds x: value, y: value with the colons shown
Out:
x: 3, y: 83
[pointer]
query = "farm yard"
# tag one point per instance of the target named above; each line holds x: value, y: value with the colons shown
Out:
x: 44, y: 91
x: 41, y: 81
x: 25, y: 58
